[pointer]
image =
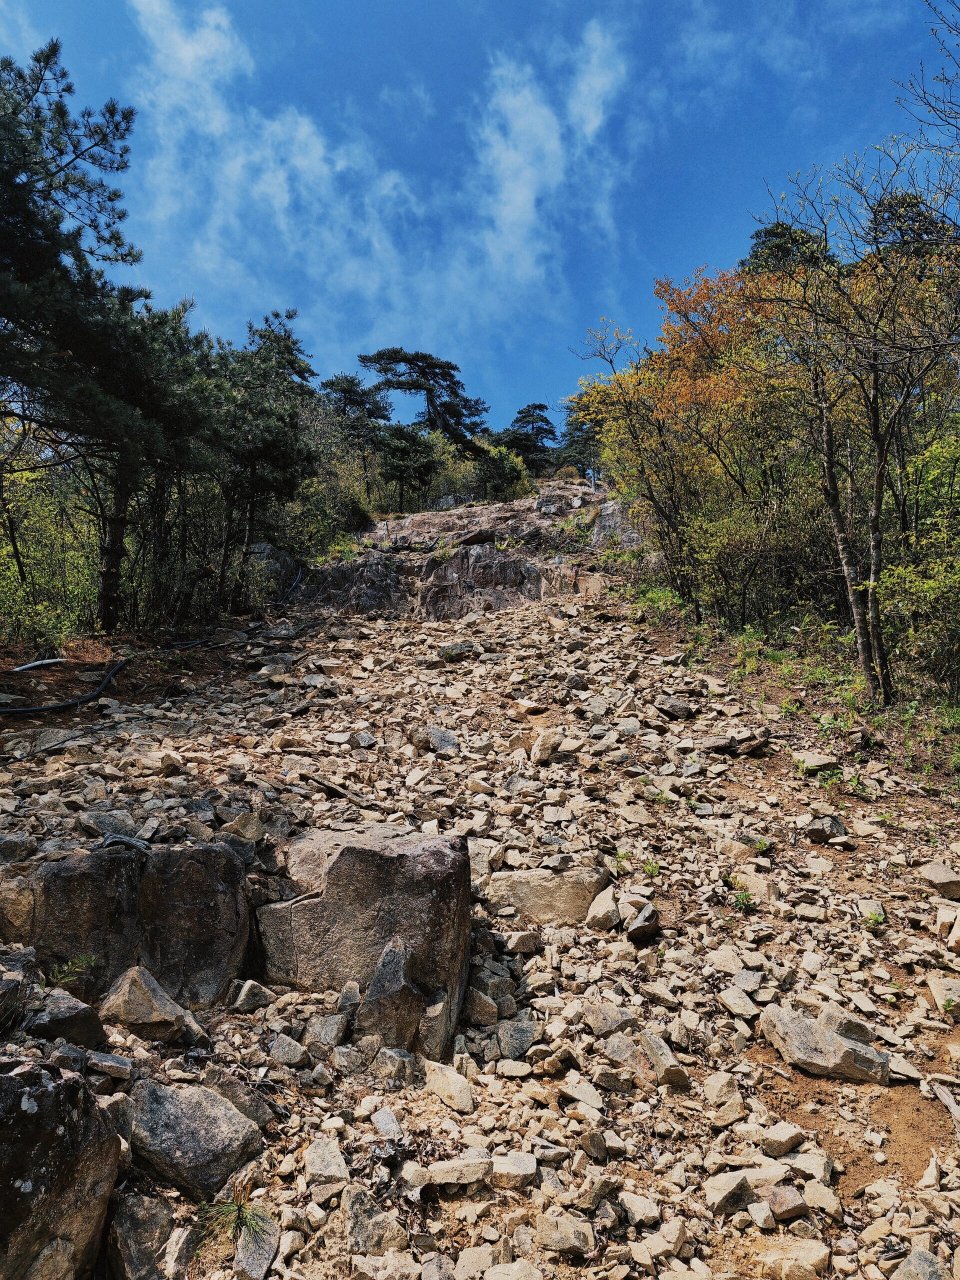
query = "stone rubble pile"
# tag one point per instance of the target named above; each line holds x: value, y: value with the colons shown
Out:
x: 502, y: 947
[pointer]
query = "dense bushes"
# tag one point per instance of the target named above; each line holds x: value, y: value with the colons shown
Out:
x: 794, y: 438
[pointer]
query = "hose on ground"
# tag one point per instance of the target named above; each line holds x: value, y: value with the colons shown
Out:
x: 70, y: 702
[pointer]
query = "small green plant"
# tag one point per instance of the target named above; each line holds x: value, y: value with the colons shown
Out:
x: 790, y: 708
x: 621, y: 860
x: 874, y: 921
x: 949, y: 1004
x: 341, y: 550
x: 654, y: 604
x: 225, y: 1221
x: 762, y: 844
x: 831, y: 780
x: 651, y: 869
x: 744, y: 902
x: 72, y: 970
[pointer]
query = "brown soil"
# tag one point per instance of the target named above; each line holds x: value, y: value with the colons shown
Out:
x: 914, y: 1126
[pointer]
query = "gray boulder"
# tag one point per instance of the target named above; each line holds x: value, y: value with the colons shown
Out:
x: 256, y: 1250
x: 190, y: 1136
x: 63, y: 1015
x: 377, y: 904
x: 369, y: 1228
x: 179, y: 912
x: 920, y: 1265
x: 393, y: 1005
x: 137, y: 1238
x: 58, y: 1163
x: 815, y: 1047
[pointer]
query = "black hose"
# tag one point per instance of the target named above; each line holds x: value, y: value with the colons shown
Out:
x: 71, y: 702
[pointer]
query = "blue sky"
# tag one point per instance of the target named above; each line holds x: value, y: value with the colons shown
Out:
x: 480, y: 178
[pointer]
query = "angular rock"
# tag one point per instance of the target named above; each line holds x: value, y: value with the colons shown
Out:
x: 58, y: 1163
x: 393, y: 1005
x: 603, y: 913
x: 824, y: 828
x: 256, y: 1250
x: 665, y: 1065
x: 462, y: 1170
x: 370, y: 1230
x: 138, y: 1002
x: 820, y: 1051
x: 814, y: 761
x: 563, y: 1233
x: 288, y: 1052
x: 137, y: 1238
x: 63, y: 1015
x: 548, y: 897
x: 920, y: 1265
x: 517, y: 1169
x: 247, y: 1100
x: 644, y: 926
x: 449, y: 1086
x: 791, y: 1259
x: 519, y: 1270
x: 190, y: 1136
x: 725, y: 1192
x: 250, y: 995
x: 324, y: 1165
x: 362, y: 892
x: 393, y: 1265
x: 942, y: 879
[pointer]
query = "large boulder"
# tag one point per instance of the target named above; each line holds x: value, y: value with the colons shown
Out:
x: 376, y: 902
x: 190, y: 1136
x: 181, y: 912
x: 62, y: 1015
x: 58, y: 1164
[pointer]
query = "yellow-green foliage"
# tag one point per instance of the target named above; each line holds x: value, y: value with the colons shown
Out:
x: 48, y: 595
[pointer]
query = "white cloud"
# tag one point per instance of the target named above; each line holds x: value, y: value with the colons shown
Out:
x: 270, y: 205
x: 259, y: 194
x: 18, y: 35
x: 601, y: 72
x: 522, y: 161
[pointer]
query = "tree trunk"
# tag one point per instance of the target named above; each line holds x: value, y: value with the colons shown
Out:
x: 112, y: 550
x: 237, y: 593
x: 14, y: 543
x: 848, y: 565
x: 877, y: 641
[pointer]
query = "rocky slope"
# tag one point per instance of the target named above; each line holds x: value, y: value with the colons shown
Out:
x: 453, y: 930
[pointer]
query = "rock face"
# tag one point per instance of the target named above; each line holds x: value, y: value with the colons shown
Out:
x: 58, y: 1164
x: 190, y: 1136
x: 478, y: 578
x: 389, y: 912
x: 373, y: 585
x: 181, y: 912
